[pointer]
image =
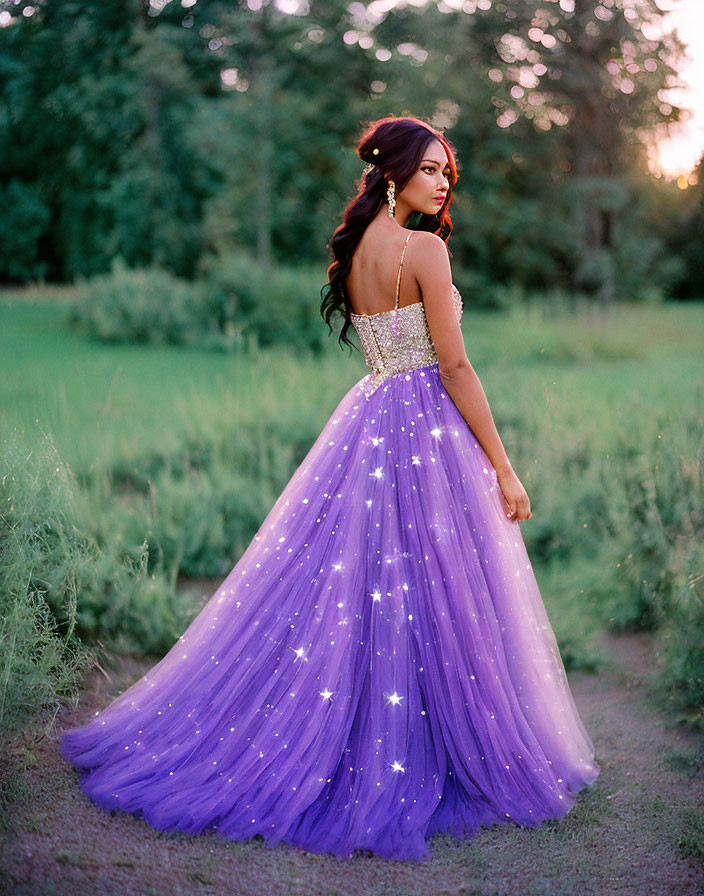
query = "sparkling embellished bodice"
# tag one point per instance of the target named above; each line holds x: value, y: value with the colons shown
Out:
x: 397, y: 340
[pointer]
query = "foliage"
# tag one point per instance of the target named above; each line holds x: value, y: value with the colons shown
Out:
x: 679, y: 223
x: 647, y: 530
x: 236, y: 303
x: 149, y: 305
x: 580, y: 398
x: 59, y: 590
x: 176, y: 134
x: 682, y: 643
x: 274, y: 304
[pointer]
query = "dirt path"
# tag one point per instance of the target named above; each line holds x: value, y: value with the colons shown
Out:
x: 639, y: 830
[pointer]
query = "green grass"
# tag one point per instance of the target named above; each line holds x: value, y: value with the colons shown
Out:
x: 601, y: 374
x: 565, y: 388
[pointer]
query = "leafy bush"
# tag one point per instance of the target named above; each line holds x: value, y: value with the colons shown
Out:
x: 238, y: 303
x: 57, y: 586
x: 40, y: 553
x: 139, y: 305
x: 651, y: 525
x: 682, y: 639
x: 278, y: 305
x: 654, y: 509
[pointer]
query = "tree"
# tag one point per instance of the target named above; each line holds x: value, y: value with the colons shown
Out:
x: 596, y: 69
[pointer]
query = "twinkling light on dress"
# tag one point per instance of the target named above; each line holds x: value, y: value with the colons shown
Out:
x: 376, y: 667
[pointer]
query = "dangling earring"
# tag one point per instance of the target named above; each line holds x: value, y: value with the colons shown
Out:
x: 390, y: 195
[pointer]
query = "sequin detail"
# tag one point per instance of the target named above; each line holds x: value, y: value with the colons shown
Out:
x: 396, y: 341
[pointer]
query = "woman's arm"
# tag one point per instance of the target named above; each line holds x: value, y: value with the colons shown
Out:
x: 465, y: 389
x: 431, y: 267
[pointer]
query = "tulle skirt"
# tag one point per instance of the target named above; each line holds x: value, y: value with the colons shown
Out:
x: 377, y: 666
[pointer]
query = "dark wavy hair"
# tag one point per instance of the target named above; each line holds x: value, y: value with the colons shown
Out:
x: 401, y: 143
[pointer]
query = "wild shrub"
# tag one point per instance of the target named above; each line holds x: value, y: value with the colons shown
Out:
x: 235, y: 304
x: 59, y: 590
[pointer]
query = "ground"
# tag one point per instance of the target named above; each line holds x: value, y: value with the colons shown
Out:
x: 637, y: 831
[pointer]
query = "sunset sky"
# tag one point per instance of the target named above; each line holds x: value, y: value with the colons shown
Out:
x: 675, y: 155
x: 680, y: 153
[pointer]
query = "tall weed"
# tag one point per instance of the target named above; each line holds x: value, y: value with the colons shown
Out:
x: 59, y: 589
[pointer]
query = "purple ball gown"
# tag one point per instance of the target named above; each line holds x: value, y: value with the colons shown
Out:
x: 377, y: 666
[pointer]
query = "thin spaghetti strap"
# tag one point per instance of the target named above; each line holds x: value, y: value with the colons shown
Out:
x: 398, y: 279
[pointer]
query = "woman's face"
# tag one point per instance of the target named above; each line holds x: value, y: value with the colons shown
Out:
x: 427, y: 190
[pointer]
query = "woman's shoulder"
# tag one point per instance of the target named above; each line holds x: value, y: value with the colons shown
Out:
x: 427, y: 238
x: 429, y: 250
x: 428, y: 245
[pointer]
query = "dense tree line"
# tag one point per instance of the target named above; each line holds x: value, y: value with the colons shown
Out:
x: 167, y: 132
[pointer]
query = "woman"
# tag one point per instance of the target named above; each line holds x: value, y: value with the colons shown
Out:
x: 378, y: 665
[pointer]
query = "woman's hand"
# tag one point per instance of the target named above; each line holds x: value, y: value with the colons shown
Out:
x: 514, y: 494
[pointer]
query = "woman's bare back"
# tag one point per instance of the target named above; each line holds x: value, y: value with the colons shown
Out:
x: 371, y: 282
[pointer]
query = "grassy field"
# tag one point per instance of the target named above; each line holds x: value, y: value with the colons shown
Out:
x: 601, y: 414
x: 566, y: 389
x: 602, y: 372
